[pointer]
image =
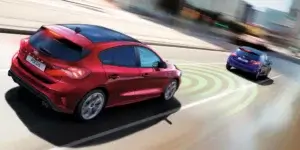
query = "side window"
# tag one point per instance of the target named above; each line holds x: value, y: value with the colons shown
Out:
x: 119, y: 56
x: 107, y: 56
x: 147, y: 57
x: 262, y: 58
x: 266, y: 59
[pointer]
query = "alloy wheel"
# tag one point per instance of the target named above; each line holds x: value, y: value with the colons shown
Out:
x: 92, y: 106
x: 170, y: 90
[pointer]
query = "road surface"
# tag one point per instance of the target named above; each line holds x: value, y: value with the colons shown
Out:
x: 214, y: 109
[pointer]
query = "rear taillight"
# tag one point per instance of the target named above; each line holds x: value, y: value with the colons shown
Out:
x: 233, y: 54
x: 24, y: 43
x: 76, y: 73
x: 255, y: 62
x: 71, y: 72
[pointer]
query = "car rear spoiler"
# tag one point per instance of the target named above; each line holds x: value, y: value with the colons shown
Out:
x: 77, y: 39
x: 248, y: 51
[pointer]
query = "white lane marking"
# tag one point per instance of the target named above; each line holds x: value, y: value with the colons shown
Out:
x: 191, y: 105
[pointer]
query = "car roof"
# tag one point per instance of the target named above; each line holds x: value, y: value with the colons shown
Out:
x: 253, y: 50
x: 98, y: 34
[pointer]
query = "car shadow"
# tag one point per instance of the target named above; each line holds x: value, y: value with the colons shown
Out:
x: 264, y: 82
x: 114, y: 123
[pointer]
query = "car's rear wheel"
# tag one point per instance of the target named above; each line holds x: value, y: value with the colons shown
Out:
x: 228, y: 67
x: 91, y: 105
x: 170, y: 90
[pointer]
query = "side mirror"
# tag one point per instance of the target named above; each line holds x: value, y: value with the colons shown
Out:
x: 269, y: 62
x: 160, y: 64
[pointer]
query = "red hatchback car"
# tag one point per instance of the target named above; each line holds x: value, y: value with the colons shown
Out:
x: 81, y: 69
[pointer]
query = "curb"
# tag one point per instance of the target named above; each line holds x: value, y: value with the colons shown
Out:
x: 16, y: 31
x: 30, y: 32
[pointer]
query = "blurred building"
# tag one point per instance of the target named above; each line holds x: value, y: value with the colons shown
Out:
x: 230, y: 9
x: 294, y: 14
x: 145, y: 5
x: 152, y: 6
x: 259, y: 18
x: 248, y: 14
x: 275, y: 21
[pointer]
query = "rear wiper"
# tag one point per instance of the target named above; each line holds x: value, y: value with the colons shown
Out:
x: 45, y: 51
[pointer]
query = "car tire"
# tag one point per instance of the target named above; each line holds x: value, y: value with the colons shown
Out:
x: 170, y: 90
x: 88, y: 104
x: 256, y: 76
x: 265, y: 76
x: 22, y: 88
x: 228, y: 67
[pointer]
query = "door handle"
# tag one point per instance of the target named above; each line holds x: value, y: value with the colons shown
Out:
x: 145, y: 75
x: 113, y: 76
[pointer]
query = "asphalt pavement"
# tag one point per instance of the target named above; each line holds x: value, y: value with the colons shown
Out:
x: 214, y: 109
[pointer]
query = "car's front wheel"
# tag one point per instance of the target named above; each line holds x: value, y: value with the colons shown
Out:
x: 257, y: 76
x: 265, y: 76
x: 170, y: 90
x: 91, y: 105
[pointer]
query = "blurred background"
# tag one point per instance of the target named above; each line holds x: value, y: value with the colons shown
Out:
x: 256, y: 22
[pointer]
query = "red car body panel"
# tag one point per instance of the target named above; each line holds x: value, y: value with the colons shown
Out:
x: 132, y: 85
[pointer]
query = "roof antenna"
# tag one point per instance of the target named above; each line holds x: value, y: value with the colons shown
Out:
x: 77, y: 30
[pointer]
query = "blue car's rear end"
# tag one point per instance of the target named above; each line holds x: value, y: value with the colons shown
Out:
x: 245, y: 60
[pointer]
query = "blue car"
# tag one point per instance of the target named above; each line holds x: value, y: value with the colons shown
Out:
x: 250, y: 60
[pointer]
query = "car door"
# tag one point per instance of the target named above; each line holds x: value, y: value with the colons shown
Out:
x: 122, y: 72
x: 153, y: 81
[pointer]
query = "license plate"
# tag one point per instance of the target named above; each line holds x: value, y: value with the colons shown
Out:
x: 243, y: 60
x: 36, y: 63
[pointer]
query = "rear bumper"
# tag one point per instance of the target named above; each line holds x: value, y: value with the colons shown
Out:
x: 37, y: 93
x: 241, y: 66
x: 61, y: 97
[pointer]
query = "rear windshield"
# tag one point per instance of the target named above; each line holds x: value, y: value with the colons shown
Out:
x: 249, y: 55
x: 58, y: 48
